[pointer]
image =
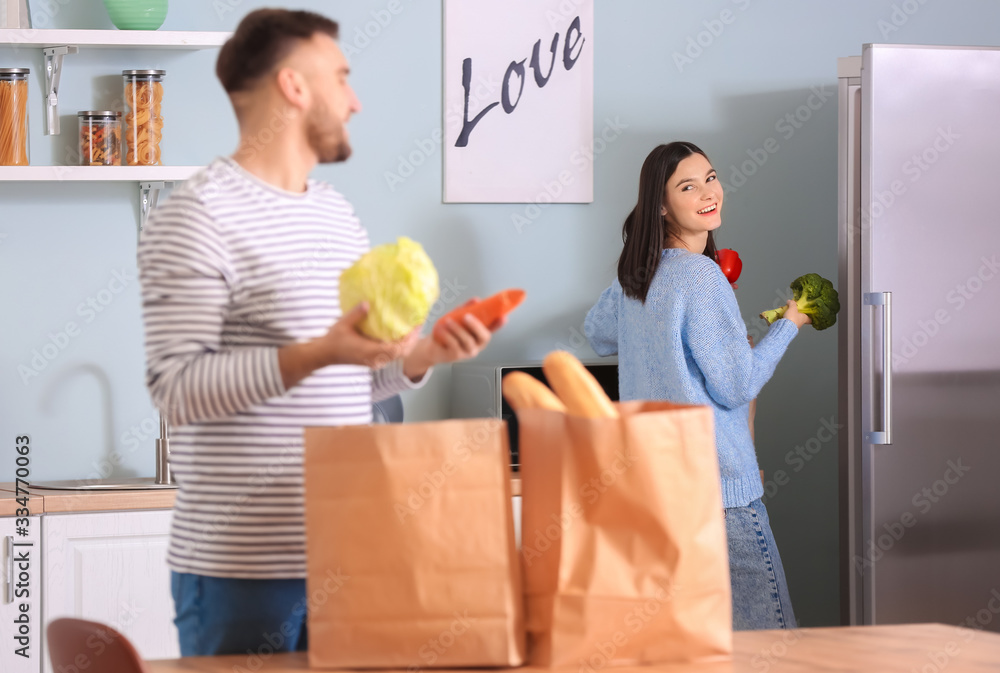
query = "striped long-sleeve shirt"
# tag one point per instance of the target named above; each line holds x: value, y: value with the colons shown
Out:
x: 232, y: 269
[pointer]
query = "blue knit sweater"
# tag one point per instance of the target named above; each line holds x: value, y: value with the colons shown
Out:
x: 688, y: 344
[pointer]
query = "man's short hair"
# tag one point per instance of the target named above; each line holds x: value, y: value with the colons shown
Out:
x: 263, y: 38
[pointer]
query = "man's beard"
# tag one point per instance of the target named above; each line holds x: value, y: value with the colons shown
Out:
x: 326, y: 136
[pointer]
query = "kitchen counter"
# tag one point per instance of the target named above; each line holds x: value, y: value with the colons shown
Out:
x: 50, y: 501
x: 9, y: 504
x: 884, y: 649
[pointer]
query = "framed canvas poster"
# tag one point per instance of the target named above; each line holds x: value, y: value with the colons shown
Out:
x: 518, y: 101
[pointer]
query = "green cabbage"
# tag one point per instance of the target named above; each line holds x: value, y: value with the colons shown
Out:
x: 400, y: 284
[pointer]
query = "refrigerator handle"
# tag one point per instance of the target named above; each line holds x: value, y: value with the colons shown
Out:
x: 884, y: 299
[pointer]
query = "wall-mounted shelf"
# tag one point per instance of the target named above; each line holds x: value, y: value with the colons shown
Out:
x: 96, y: 173
x: 151, y: 179
x: 112, y: 39
x: 57, y: 44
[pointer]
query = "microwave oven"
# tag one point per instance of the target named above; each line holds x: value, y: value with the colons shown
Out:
x: 476, y: 390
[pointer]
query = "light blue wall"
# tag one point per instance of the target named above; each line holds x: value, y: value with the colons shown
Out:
x: 62, y: 243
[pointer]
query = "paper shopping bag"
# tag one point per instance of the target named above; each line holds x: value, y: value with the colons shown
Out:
x: 416, y: 521
x: 623, y: 541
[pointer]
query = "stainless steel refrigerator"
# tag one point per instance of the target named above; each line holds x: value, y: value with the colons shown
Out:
x: 919, y: 346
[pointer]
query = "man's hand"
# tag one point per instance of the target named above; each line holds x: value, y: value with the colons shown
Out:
x: 462, y: 342
x: 343, y: 344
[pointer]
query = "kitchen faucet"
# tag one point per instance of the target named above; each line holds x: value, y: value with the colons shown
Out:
x: 164, y: 477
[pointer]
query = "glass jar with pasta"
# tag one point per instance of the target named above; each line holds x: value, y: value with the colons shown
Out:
x: 14, y: 116
x: 100, y: 138
x: 143, y: 116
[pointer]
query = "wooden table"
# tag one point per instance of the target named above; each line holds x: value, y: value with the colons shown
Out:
x: 912, y: 648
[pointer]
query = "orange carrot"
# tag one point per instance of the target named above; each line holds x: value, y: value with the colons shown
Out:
x: 487, y: 311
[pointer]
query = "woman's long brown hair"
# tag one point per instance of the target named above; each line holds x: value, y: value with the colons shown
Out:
x: 646, y: 230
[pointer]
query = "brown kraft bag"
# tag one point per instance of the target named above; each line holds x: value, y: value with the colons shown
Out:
x: 417, y: 520
x: 623, y: 543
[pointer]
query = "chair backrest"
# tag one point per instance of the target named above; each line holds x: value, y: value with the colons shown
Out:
x: 76, y: 644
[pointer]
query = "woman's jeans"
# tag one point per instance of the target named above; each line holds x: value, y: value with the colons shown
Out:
x: 760, y: 592
x: 257, y: 618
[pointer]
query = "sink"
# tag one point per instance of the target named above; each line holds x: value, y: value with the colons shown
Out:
x: 131, y: 484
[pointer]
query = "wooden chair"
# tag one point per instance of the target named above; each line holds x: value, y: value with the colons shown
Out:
x: 98, y: 646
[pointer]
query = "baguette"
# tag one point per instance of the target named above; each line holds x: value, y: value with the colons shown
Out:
x: 576, y: 387
x: 524, y: 391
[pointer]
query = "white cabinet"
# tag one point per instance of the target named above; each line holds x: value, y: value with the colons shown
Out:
x: 21, y: 640
x: 111, y: 567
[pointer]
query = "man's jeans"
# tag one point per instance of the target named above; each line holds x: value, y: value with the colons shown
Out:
x: 257, y: 618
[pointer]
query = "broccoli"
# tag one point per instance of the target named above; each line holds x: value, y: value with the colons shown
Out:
x: 816, y: 297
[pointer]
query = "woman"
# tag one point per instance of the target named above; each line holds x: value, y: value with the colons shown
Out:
x: 671, y: 316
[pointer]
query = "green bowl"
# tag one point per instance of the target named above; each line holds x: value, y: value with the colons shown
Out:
x: 137, y: 14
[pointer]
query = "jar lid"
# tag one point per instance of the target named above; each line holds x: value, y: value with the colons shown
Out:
x: 144, y: 73
x: 98, y: 113
x: 14, y: 71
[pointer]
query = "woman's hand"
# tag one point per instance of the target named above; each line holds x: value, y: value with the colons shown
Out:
x: 796, y: 316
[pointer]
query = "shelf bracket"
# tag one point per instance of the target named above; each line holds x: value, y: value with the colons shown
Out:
x: 149, y: 194
x: 53, y: 73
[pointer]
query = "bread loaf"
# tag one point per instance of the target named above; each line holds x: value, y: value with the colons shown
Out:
x: 576, y: 387
x: 524, y: 391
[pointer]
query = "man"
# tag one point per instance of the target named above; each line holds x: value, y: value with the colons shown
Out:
x: 239, y: 274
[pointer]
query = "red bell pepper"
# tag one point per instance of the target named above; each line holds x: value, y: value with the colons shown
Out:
x: 730, y: 263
